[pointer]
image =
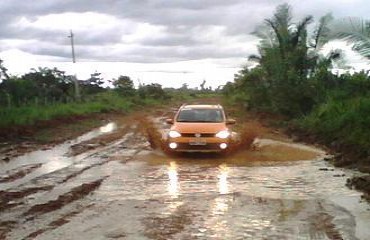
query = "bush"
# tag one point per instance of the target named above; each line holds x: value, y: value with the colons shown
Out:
x: 153, y: 90
x: 345, y: 121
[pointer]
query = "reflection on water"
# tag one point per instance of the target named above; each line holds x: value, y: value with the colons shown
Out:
x: 51, y: 159
x: 223, y: 187
x: 110, y: 127
x: 220, y: 206
x: 54, y: 164
x: 173, y: 180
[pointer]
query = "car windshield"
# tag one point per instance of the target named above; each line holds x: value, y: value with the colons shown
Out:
x: 200, y: 115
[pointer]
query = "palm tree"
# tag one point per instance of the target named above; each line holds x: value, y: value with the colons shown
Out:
x: 353, y: 30
x: 288, y: 56
x: 280, y: 32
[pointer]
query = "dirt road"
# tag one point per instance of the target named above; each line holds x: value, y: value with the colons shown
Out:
x: 110, y: 184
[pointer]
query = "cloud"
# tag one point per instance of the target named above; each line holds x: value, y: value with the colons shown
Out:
x: 138, y: 31
x: 149, y: 31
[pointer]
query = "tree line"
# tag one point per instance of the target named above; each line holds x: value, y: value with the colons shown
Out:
x: 291, y: 75
x: 294, y: 79
x: 43, y: 86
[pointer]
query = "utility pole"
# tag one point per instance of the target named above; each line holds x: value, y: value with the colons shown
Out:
x: 77, y: 90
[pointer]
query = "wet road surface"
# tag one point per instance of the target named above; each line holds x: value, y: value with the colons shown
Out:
x: 126, y: 190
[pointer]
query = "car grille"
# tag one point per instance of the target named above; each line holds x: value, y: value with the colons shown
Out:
x: 201, y: 134
x: 208, y: 146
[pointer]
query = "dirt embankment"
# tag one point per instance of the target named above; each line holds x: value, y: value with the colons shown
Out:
x: 345, y: 155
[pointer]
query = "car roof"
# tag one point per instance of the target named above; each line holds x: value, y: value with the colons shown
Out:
x: 202, y: 106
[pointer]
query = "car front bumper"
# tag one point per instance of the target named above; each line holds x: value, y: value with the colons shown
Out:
x: 184, y: 144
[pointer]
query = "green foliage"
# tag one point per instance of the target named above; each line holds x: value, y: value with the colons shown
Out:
x: 42, y: 86
x: 124, y: 86
x: 355, y: 31
x: 346, y: 121
x: 102, y: 102
x: 153, y: 90
x: 288, y: 56
x: 93, y: 85
x: 294, y: 79
x: 291, y: 77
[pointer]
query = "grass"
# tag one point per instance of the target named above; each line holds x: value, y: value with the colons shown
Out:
x: 28, y: 115
x: 104, y: 102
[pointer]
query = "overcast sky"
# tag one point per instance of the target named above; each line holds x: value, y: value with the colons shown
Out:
x: 170, y: 42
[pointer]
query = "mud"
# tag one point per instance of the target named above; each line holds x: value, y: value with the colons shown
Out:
x: 361, y: 183
x: 18, y: 172
x: 8, y: 198
x: 166, y: 227
x: 73, y: 195
x: 18, y: 140
x: 115, y: 182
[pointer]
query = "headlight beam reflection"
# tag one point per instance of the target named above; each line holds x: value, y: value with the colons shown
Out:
x: 173, y: 180
x: 223, y: 186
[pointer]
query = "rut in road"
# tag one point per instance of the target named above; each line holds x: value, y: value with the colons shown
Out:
x: 63, y: 193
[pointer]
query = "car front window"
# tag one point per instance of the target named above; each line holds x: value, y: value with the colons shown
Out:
x: 200, y: 115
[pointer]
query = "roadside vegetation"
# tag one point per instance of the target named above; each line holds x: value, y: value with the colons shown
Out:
x: 292, y: 78
x: 47, y: 94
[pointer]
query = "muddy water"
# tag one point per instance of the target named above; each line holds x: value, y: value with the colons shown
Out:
x: 276, y: 190
x: 49, y: 160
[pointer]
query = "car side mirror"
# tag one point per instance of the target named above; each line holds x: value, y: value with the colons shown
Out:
x: 230, y: 121
x: 169, y: 121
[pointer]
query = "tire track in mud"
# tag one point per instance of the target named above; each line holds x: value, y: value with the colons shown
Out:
x: 14, y: 201
x: 5, y: 228
x: 8, y: 198
x: 64, y: 219
x: 32, y: 215
x: 73, y: 195
x: 19, y: 172
x: 127, y: 125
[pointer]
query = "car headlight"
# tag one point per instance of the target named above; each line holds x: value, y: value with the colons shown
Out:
x: 174, y: 134
x: 223, y: 134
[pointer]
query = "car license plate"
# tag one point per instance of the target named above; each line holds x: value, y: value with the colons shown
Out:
x: 198, y: 142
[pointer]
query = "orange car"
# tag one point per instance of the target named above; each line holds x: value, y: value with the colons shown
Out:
x: 199, y: 128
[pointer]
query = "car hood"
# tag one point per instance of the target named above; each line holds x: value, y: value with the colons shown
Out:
x: 199, y: 127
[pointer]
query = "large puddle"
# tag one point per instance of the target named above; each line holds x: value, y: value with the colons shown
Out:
x: 276, y: 191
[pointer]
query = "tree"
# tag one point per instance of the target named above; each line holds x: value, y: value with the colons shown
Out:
x: 288, y: 55
x: 92, y: 85
x: 40, y: 86
x: 124, y: 86
x: 3, y: 71
x: 153, y: 90
x: 202, y: 88
x: 51, y: 84
x: 184, y: 87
